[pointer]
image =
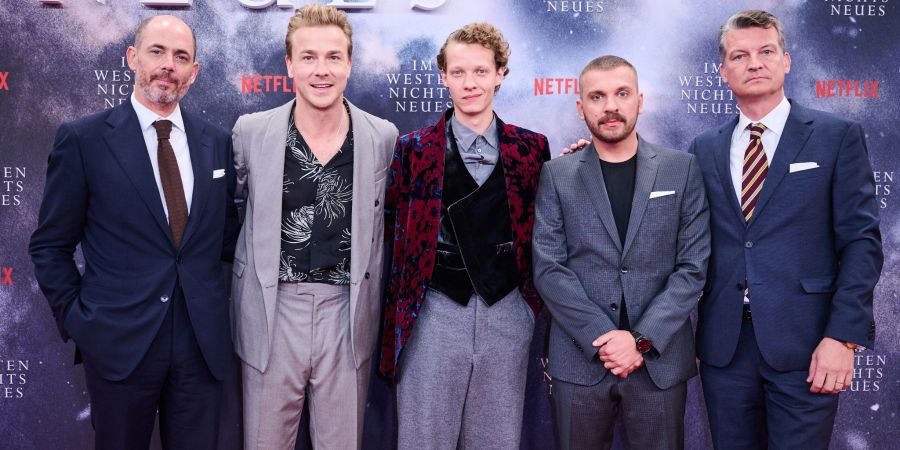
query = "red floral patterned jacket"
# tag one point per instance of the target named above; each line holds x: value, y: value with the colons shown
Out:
x: 413, y: 208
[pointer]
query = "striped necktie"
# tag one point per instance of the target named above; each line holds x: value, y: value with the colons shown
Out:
x: 756, y: 166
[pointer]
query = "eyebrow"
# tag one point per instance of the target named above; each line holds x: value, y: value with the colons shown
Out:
x: 177, y: 50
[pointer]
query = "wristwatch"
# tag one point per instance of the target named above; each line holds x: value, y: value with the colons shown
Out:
x: 853, y: 346
x: 641, y: 342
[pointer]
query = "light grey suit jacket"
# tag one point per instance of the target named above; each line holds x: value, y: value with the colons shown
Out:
x: 259, y: 146
x: 582, y: 270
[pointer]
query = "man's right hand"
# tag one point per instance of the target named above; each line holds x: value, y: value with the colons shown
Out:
x: 618, y: 352
x: 575, y: 147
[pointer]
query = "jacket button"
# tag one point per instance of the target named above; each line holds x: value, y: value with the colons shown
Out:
x: 624, y: 270
x: 748, y: 244
x: 613, y: 306
x: 367, y: 275
x: 376, y: 203
x: 164, y: 298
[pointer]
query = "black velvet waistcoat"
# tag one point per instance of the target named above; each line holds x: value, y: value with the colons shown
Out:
x: 478, y: 254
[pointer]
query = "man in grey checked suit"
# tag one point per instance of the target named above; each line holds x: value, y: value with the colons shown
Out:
x: 621, y: 243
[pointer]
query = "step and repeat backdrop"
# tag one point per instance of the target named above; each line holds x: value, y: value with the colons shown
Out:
x: 63, y: 59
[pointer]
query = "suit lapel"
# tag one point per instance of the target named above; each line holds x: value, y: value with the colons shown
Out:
x: 132, y: 155
x: 722, y: 150
x: 643, y: 185
x: 201, y: 163
x: 796, y: 132
x: 363, y: 209
x: 592, y: 177
x: 268, y: 178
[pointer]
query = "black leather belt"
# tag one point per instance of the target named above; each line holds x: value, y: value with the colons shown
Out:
x: 747, y: 316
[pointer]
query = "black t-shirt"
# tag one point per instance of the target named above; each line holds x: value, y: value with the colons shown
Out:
x: 316, y: 203
x: 619, y: 180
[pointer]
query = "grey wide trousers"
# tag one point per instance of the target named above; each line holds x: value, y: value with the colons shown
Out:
x: 311, y: 354
x: 462, y: 375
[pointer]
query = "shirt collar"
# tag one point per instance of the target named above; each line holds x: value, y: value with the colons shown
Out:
x: 774, y: 120
x: 147, y: 117
x: 465, y: 136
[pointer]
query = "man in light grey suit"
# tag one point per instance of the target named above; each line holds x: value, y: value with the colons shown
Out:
x: 621, y: 243
x: 307, y: 268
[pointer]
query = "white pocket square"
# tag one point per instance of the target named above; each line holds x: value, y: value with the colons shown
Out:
x: 655, y: 194
x: 218, y: 173
x: 798, y: 167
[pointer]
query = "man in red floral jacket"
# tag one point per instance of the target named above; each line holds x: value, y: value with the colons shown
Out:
x: 460, y: 209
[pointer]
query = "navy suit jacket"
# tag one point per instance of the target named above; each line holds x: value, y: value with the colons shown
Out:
x: 101, y: 193
x: 811, y: 252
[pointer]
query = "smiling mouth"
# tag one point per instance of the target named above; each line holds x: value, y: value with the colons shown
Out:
x: 321, y: 85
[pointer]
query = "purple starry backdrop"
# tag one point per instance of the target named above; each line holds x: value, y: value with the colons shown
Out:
x: 63, y: 62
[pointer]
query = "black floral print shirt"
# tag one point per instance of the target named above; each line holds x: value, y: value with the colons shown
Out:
x: 315, y: 212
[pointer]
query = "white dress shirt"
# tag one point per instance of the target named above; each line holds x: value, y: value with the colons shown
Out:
x: 177, y: 138
x: 740, y: 140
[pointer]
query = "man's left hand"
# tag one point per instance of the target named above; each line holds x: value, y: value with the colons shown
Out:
x: 831, y: 368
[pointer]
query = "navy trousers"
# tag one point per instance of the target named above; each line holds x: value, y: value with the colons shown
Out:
x: 172, y: 378
x: 753, y: 406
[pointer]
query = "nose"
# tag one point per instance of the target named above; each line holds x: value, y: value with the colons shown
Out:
x: 611, y: 105
x: 469, y: 82
x: 754, y: 62
x: 168, y: 61
x: 321, y: 68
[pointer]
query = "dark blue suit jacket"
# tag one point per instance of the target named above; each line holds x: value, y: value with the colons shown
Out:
x: 811, y: 252
x: 101, y: 193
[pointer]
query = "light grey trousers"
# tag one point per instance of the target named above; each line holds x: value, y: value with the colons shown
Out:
x: 462, y: 375
x: 311, y: 353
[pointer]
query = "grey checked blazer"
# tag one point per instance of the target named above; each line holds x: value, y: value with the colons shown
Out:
x: 582, y: 270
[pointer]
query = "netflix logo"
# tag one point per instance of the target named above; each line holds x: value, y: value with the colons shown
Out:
x: 261, y: 84
x: 847, y: 88
x: 556, y: 86
x: 4, y: 81
x: 6, y: 276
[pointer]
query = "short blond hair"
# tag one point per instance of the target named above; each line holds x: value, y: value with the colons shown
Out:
x: 318, y: 15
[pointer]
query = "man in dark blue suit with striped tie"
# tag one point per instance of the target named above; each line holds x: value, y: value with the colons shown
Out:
x: 796, y: 253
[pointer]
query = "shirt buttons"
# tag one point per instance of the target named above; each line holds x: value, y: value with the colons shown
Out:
x: 748, y: 244
x: 164, y: 298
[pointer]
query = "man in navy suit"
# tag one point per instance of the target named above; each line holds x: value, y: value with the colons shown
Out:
x: 147, y: 190
x: 796, y: 253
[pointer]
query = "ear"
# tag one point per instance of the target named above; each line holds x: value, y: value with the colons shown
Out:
x: 501, y: 73
x: 722, y: 73
x: 195, y: 70
x: 287, y: 63
x: 444, y: 78
x: 580, y: 108
x: 787, y: 63
x: 640, y: 103
x: 131, y: 56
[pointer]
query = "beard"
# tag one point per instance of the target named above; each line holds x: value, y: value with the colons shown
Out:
x: 161, y: 96
x: 611, y: 136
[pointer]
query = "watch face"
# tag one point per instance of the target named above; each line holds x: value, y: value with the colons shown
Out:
x: 643, y: 345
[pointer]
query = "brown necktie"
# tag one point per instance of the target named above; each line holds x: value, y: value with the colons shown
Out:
x: 756, y: 166
x: 170, y: 177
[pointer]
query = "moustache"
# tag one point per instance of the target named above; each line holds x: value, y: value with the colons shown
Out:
x: 162, y: 75
x: 611, y: 116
